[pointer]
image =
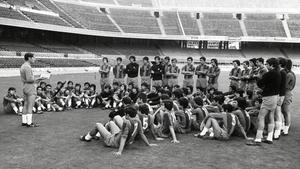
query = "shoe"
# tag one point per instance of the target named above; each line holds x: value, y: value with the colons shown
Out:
x: 276, y: 138
x: 39, y: 112
x: 253, y: 143
x: 24, y: 124
x: 32, y: 125
x: 267, y: 141
x: 82, y: 138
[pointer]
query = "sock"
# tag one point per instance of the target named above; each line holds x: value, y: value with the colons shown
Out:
x: 29, y: 119
x: 21, y: 109
x: 270, y: 132
x: 16, y: 110
x: 277, y: 129
x: 33, y: 110
x: 286, y: 129
x: 39, y: 108
x: 211, y: 134
x: 259, y: 136
x: 98, y: 134
x: 24, y: 118
x: 203, y: 132
x: 88, y: 136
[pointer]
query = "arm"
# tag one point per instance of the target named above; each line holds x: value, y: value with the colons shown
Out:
x: 121, y: 147
x: 171, y: 128
x: 9, y: 99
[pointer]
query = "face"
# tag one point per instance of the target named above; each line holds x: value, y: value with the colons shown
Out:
x: 145, y: 61
x: 258, y: 63
x: 122, y: 87
x: 157, y: 60
x: 174, y: 62
x: 67, y: 92
x: 234, y: 103
x: 43, y: 85
x: 167, y: 60
x: 48, y: 88
x: 31, y: 59
x: 86, y: 86
x: 245, y: 65
x: 134, y: 90
x: 39, y: 90
x: 131, y: 60
x: 213, y: 63
x: 189, y: 61
x: 202, y: 61
x: 251, y: 63
x: 105, y: 60
x: 119, y: 61
x: 12, y: 92
x: 154, y: 89
x: 106, y: 90
x: 235, y: 64
x: 77, y: 87
x: 59, y: 85
x: 70, y: 85
x: 269, y: 67
x: 256, y: 104
x: 92, y: 88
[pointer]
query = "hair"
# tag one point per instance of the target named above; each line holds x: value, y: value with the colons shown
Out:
x: 69, y: 82
x: 184, y: 102
x: 178, y: 93
x: 198, y: 100
x: 260, y: 60
x: 93, y: 85
x: 215, y: 61
x: 249, y: 93
x: 190, y: 58
x: 246, y: 62
x: 240, y: 92
x: 48, y: 85
x: 119, y: 59
x: 132, y: 57
x: 144, y: 109
x: 127, y: 100
x: 289, y: 65
x: 130, y: 111
x: 233, y: 88
x: 146, y: 58
x: 145, y: 85
x: 253, y: 60
x: 115, y: 84
x: 174, y: 60
x: 237, y: 62
x: 227, y: 107
x: 59, y: 82
x: 165, y: 97
x: 104, y: 58
x: 156, y: 57
x: 37, y: 88
x: 156, y: 88
x: 219, y: 99
x: 185, y: 90
x: 11, y: 88
x: 167, y: 58
x: 27, y: 56
x: 273, y: 62
x: 176, y: 86
x: 282, y: 62
x: 242, y: 103
x: 143, y: 97
x: 77, y: 84
x: 42, y: 83
x: 191, y: 88
x: 168, y: 104
x: 87, y: 83
x: 203, y: 58
x: 107, y: 86
x: 125, y: 86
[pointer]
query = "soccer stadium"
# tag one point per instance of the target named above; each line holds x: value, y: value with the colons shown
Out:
x: 165, y: 83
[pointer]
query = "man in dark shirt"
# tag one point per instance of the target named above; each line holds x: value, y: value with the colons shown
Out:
x: 270, y: 85
x: 132, y: 71
x: 172, y: 73
x: 201, y: 72
x: 165, y: 64
x: 157, y: 70
x: 145, y: 72
x: 278, y: 113
x: 188, y: 72
x: 104, y: 73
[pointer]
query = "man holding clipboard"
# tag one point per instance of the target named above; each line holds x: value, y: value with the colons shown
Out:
x: 29, y: 89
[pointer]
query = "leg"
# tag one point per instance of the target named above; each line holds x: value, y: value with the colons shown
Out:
x: 278, y: 118
x: 31, y: 99
x: 261, y: 124
x: 118, y: 121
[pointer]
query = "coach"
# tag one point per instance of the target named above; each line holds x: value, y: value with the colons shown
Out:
x: 270, y: 85
x: 132, y: 71
x: 29, y: 89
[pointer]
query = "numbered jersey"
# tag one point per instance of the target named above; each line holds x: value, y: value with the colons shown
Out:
x: 146, y: 121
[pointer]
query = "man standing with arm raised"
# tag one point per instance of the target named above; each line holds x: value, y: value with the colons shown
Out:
x: 29, y: 89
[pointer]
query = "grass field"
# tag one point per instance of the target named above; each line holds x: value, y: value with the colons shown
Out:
x: 55, y: 143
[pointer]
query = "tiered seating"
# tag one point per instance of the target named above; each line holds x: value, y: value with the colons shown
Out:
x: 49, y: 19
x: 143, y: 3
x: 222, y: 54
x: 171, y: 24
x: 135, y: 21
x: 27, y: 3
x: 220, y: 24
x: 99, y: 49
x: 264, y: 25
x: 189, y: 23
x: 101, y: 1
x: 294, y: 25
x: 293, y: 53
x: 262, y: 52
x: 136, y: 50
x: 17, y: 62
x: 21, y: 47
x: 66, y: 63
x: 90, y: 17
x: 54, y: 8
x: 59, y: 48
x: 10, y: 13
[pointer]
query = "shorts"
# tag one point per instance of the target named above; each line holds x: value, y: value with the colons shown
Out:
x: 172, y: 82
x: 269, y: 102
x: 29, y: 90
x: 146, y: 79
x: 157, y: 83
x: 202, y: 83
x: 112, y: 140
x: 288, y: 98
x: 188, y: 82
x: 221, y: 134
x: 120, y: 81
x: 280, y: 100
x: 133, y: 80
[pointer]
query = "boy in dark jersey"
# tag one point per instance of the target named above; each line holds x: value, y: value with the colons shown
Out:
x: 12, y: 102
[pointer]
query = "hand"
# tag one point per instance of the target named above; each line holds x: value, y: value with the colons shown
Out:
x: 117, y: 153
x: 175, y: 141
x: 159, y: 139
x: 153, y: 145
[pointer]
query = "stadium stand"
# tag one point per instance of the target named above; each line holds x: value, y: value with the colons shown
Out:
x: 189, y: 23
x: 135, y: 21
x: 59, y: 47
x: 99, y: 49
x: 21, y: 47
x: 264, y: 25
x: 90, y: 17
x: 138, y: 50
x: 43, y: 18
x: 50, y: 5
x: 101, y: 1
x: 294, y: 25
x: 33, y: 4
x: 262, y: 52
x: 143, y: 3
x: 220, y: 24
x: 170, y: 22
x: 293, y: 53
x: 11, y: 13
x: 222, y: 54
